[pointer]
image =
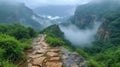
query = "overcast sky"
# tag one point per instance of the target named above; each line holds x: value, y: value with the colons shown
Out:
x: 54, y: 2
x: 35, y: 3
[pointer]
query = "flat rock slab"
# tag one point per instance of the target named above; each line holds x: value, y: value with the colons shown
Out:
x: 52, y: 54
x: 54, y: 58
x: 54, y: 64
x: 36, y: 56
x: 38, y: 61
x: 35, y: 66
x: 41, y: 51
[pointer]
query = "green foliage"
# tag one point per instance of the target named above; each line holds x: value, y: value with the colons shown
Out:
x: 2, y: 52
x: 18, y: 31
x: 26, y: 43
x: 68, y: 47
x: 12, y: 47
x: 53, y: 31
x: 7, y: 64
x: 14, y: 39
x: 93, y: 63
x: 54, y: 34
x: 54, y: 41
x: 81, y: 52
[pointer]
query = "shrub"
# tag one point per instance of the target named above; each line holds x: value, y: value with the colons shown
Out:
x: 80, y: 51
x: 54, y: 41
x: 13, y: 50
x: 93, y: 63
x: 7, y: 64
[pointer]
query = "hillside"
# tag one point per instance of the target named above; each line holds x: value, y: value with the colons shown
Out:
x: 105, y: 48
x: 18, y: 13
x: 86, y: 14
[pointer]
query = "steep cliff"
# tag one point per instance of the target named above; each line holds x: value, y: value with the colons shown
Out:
x: 107, y: 12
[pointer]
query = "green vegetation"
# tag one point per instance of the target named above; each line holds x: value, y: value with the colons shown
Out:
x: 18, y: 31
x: 7, y: 64
x: 54, y: 41
x: 53, y: 31
x: 14, y: 39
x: 55, y: 37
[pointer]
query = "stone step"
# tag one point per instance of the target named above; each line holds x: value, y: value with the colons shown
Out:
x: 41, y: 51
x: 54, y: 64
x: 54, y: 58
x: 36, y: 56
x: 38, y: 61
x: 46, y: 48
x: 35, y: 66
x: 52, y: 54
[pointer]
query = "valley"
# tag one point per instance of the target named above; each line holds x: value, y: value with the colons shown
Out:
x: 60, y: 34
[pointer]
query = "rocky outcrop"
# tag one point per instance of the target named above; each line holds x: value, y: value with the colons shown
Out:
x: 72, y: 59
x: 103, y: 34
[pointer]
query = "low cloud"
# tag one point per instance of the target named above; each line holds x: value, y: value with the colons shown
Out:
x: 80, y: 37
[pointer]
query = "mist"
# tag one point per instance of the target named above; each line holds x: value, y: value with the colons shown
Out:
x: 79, y: 37
x: 36, y: 3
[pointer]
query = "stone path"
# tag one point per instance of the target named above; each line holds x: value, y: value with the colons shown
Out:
x: 43, y: 55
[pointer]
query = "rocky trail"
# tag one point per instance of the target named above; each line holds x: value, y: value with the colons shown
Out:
x: 44, y: 55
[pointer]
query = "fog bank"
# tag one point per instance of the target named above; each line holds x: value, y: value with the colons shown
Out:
x: 80, y: 37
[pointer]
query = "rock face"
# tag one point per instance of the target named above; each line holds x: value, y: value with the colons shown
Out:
x: 46, y: 56
x: 107, y: 12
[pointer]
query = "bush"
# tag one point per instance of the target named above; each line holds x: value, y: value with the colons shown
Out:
x: 2, y: 52
x: 26, y: 43
x: 18, y: 31
x: 13, y: 50
x: 54, y: 41
x: 7, y: 64
x: 81, y: 52
x: 93, y: 63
